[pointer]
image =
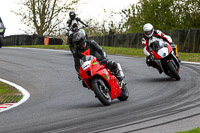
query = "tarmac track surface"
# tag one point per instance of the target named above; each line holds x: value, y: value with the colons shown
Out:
x: 59, y: 104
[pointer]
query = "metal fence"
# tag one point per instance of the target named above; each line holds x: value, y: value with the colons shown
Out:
x: 187, y: 40
x: 17, y: 40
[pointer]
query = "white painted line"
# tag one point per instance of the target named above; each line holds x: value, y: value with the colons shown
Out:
x: 25, y: 93
x: 6, y: 105
x: 53, y: 50
x: 187, y: 62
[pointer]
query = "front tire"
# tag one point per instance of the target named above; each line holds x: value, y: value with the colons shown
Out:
x: 173, y: 71
x: 101, y: 92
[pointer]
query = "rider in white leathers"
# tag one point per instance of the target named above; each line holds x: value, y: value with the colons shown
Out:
x: 150, y: 35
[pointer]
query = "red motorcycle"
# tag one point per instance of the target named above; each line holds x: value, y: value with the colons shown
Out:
x: 99, y: 79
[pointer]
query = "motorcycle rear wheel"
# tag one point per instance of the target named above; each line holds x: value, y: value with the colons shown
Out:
x: 101, y: 92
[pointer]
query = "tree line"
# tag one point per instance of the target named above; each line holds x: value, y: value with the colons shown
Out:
x: 163, y: 14
x: 44, y: 17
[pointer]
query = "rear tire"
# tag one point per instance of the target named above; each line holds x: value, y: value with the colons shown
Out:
x: 124, y: 93
x: 101, y: 92
x: 173, y: 71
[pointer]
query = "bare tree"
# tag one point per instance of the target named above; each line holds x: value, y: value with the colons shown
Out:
x: 44, y: 17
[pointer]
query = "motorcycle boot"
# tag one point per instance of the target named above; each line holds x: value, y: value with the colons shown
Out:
x: 84, y: 84
x: 155, y: 65
x: 116, y: 69
x: 119, y: 73
x: 159, y: 69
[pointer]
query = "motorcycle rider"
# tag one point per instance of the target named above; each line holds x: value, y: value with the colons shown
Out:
x: 2, y: 31
x: 2, y: 27
x: 149, y: 35
x: 72, y: 26
x: 84, y: 47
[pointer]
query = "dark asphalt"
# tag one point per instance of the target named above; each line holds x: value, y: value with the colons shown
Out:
x: 59, y: 104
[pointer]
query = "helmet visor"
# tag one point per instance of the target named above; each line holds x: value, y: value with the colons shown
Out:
x: 80, y: 44
x: 72, y: 15
x: 148, y: 32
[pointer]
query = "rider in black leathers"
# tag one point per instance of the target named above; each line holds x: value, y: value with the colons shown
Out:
x: 2, y: 27
x: 84, y: 47
x: 72, y: 26
x: 2, y: 31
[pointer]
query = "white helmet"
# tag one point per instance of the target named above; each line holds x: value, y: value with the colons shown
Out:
x: 148, y: 30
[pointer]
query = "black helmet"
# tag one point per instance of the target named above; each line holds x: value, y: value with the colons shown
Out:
x: 72, y: 15
x: 79, y: 40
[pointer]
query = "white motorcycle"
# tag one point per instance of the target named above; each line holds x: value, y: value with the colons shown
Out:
x: 165, y: 58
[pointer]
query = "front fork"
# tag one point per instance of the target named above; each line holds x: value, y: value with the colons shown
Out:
x: 171, y: 58
x: 158, y: 62
x: 121, y: 83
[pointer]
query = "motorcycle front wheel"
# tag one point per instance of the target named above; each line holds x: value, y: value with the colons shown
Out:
x: 173, y: 71
x: 101, y: 92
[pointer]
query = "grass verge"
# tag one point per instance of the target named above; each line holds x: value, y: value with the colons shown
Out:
x: 133, y: 52
x: 9, y: 94
x: 196, y: 130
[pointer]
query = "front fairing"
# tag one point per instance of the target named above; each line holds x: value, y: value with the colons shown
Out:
x: 160, y: 49
x: 163, y: 52
x: 85, y: 68
x: 89, y: 67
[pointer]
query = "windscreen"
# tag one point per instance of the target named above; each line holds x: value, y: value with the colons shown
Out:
x: 156, y: 45
x: 86, y: 58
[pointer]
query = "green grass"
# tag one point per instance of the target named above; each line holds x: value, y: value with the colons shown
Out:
x: 133, y: 52
x: 195, y: 57
x: 66, y: 47
x: 9, y: 94
x: 196, y: 130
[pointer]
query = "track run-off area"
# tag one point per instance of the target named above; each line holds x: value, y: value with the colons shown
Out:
x: 59, y: 104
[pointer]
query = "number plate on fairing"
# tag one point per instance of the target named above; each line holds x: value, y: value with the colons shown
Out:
x: 86, y: 65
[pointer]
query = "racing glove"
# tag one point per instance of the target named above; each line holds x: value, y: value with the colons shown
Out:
x: 86, y: 25
x: 104, y: 61
x: 151, y: 57
x: 173, y: 47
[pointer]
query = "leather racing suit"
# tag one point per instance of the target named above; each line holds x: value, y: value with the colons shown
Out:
x: 72, y: 26
x: 147, y: 41
x: 92, y: 48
